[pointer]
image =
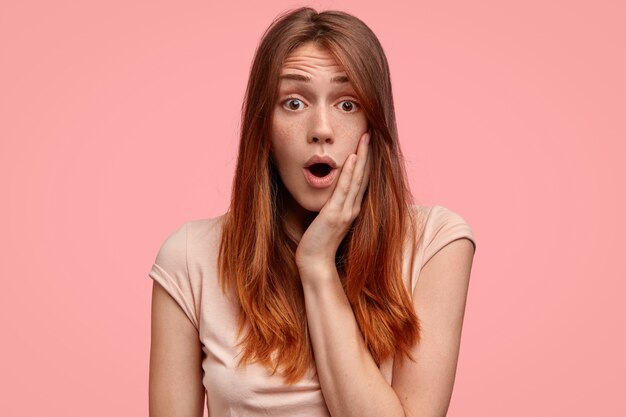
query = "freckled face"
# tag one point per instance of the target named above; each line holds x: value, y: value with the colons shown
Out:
x: 317, y: 114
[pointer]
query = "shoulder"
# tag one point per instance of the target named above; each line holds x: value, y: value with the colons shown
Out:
x: 205, y: 231
x: 192, y: 235
x: 190, y: 244
x: 439, y: 225
x: 183, y: 259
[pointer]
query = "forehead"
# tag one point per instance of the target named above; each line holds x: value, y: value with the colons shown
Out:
x: 311, y: 57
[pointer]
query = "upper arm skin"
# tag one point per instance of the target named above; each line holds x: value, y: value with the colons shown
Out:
x: 175, y: 387
x: 425, y: 386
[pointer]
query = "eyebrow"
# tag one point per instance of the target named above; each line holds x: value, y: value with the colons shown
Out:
x: 340, y: 79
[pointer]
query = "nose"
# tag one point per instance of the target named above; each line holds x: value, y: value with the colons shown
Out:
x: 320, y: 129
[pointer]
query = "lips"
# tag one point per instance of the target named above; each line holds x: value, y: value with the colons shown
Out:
x: 320, y: 171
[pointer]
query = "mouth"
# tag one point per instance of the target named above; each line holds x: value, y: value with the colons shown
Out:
x: 320, y: 170
x: 320, y: 175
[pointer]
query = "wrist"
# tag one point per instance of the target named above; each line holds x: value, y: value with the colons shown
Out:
x: 318, y: 272
x: 317, y: 261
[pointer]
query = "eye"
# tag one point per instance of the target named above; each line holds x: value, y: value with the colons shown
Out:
x: 293, y: 104
x: 348, y: 106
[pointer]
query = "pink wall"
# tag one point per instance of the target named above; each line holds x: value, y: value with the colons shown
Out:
x: 118, y: 122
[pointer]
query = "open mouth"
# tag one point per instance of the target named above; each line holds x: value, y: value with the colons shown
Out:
x: 320, y: 170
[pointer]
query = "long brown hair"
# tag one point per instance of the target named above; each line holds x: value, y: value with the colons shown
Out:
x: 257, y: 254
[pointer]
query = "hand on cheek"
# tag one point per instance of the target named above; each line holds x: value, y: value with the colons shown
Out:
x: 318, y: 246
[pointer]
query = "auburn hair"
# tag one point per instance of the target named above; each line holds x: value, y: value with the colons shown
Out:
x: 257, y: 254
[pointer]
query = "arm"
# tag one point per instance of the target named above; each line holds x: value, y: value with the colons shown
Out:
x: 350, y: 380
x: 175, y: 385
x: 352, y: 383
x: 425, y: 386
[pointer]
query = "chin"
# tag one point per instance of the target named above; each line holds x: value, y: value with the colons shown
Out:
x: 313, y: 203
x: 302, y: 197
x: 316, y: 208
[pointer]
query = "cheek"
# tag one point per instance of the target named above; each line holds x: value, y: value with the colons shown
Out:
x: 349, y: 133
x: 279, y: 141
x: 284, y: 153
x: 284, y: 129
x: 349, y: 126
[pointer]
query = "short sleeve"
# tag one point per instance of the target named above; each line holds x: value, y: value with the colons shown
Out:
x: 171, y: 272
x: 444, y: 226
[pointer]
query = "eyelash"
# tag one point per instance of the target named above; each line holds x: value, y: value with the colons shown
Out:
x: 288, y: 99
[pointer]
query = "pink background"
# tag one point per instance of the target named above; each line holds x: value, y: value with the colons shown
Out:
x: 119, y: 122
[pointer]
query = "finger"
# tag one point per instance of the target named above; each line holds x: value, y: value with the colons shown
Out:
x: 338, y: 198
x: 358, y: 175
x: 365, y: 182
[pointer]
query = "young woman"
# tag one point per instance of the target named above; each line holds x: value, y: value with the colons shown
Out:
x: 323, y: 290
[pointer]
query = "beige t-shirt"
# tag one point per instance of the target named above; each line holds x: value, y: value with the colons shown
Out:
x: 186, y: 266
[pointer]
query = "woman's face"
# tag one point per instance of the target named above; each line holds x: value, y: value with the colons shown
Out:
x: 317, y: 124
